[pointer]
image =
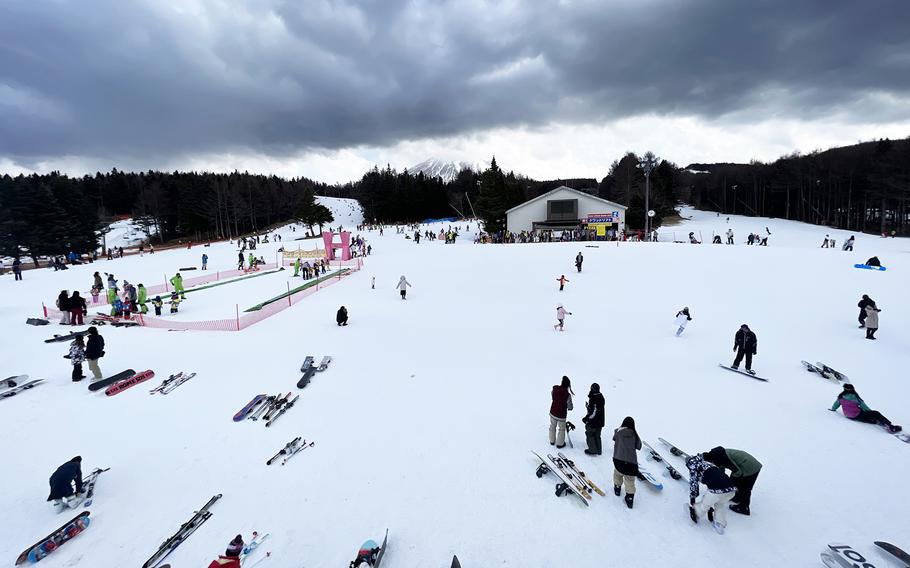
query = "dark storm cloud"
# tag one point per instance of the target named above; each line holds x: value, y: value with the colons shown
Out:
x: 134, y: 79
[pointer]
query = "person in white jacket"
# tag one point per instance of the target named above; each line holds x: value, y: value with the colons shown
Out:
x: 682, y: 318
x: 403, y: 286
x: 561, y: 317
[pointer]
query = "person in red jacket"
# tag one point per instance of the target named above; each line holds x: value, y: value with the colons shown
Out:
x: 562, y: 282
x: 231, y: 557
x: 559, y: 410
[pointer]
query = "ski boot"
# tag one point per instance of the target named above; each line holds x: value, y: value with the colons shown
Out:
x: 893, y: 428
x: 630, y: 498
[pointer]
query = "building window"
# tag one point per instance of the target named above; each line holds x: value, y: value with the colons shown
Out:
x: 562, y: 210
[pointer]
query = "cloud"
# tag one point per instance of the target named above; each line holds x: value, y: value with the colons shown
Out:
x: 281, y: 82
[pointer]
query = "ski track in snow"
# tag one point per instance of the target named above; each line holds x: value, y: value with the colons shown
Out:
x: 425, y: 419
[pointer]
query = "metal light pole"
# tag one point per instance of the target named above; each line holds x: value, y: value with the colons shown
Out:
x: 647, y: 163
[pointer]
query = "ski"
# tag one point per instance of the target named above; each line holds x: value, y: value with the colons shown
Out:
x: 297, y: 451
x: 746, y: 373
x: 269, y: 402
x: 88, y: 486
x: 276, y: 406
x: 170, y: 388
x: 170, y: 379
x: 129, y: 383
x: 249, y: 407
x: 581, y: 474
x: 101, y: 383
x: 659, y: 458
x: 371, y: 553
x: 22, y: 387
x: 252, y: 546
x: 564, y: 485
x: 324, y: 364
x: 287, y: 448
x: 832, y: 374
x: 186, y: 529
x: 284, y: 408
x: 53, y: 541
x: 894, y: 551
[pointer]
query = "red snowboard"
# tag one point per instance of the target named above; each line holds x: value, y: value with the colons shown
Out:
x: 130, y: 382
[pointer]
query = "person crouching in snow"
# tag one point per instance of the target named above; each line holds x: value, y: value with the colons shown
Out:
x: 62, y: 481
x: 682, y: 318
x: 231, y: 556
x: 341, y: 318
x: 560, y: 317
x: 855, y: 409
x: 720, y: 491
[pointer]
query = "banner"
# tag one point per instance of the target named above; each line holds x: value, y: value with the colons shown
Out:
x: 315, y: 253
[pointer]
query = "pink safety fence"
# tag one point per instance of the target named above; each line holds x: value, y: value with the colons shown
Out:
x: 240, y: 320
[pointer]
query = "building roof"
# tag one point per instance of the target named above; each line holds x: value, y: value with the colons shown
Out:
x: 567, y: 188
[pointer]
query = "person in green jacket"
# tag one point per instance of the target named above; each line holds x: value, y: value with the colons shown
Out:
x: 297, y: 267
x: 111, y: 295
x: 743, y: 472
x: 141, y: 298
x: 177, y: 283
x: 252, y: 262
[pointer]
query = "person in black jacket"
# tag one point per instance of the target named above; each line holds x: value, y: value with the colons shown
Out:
x: 63, y: 304
x: 865, y: 301
x: 341, y: 318
x: 745, y: 344
x: 594, y: 421
x: 62, y: 480
x: 94, y: 350
x: 78, y: 309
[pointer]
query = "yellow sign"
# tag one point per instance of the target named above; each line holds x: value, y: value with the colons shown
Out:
x: 315, y: 253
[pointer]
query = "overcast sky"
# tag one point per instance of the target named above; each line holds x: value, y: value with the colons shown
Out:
x: 327, y: 88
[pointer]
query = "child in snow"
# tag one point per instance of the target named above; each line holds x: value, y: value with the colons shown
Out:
x: 231, y: 557
x: 77, y: 357
x: 871, y: 321
x: 720, y: 491
x: 175, y: 301
x: 560, y: 317
x: 157, y: 303
x: 95, y: 293
x: 682, y: 318
x: 562, y: 281
x: 403, y: 286
x: 117, y: 308
x: 855, y: 408
x: 626, y: 444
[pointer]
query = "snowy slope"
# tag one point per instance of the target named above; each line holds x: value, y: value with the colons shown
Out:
x: 425, y: 421
x: 434, y: 167
x: 124, y: 233
x: 347, y: 212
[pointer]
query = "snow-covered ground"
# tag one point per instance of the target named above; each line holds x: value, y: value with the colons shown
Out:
x: 347, y: 212
x: 124, y: 233
x: 425, y: 421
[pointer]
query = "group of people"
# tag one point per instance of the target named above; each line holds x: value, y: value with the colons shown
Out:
x: 828, y: 242
x: 868, y: 316
x: 73, y: 308
x: 81, y: 351
x: 305, y: 269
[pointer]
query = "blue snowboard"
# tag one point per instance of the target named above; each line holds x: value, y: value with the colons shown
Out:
x: 867, y: 267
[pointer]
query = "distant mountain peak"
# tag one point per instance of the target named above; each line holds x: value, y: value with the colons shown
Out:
x: 434, y: 167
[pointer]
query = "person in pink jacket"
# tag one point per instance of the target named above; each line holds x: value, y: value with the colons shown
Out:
x: 561, y: 317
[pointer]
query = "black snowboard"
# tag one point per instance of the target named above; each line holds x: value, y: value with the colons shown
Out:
x: 96, y: 385
x: 894, y: 551
x: 67, y: 337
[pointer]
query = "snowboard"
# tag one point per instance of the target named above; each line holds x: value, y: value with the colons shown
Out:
x: 371, y: 553
x: 73, y: 335
x: 867, y: 267
x: 324, y: 364
x: 101, y: 383
x: 813, y: 369
x: 829, y: 372
x: 13, y: 381
x: 307, y: 375
x: 564, y: 485
x: 246, y: 410
x: 674, y: 450
x: 307, y: 363
x: 672, y: 471
x: 843, y: 556
x: 649, y: 477
x: 51, y: 542
x: 746, y: 373
x: 88, y: 486
x: 455, y: 562
x: 902, y: 436
x: 894, y: 551
x: 128, y: 383
x: 24, y: 386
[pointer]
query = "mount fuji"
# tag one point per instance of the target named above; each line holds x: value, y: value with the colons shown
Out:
x: 434, y: 167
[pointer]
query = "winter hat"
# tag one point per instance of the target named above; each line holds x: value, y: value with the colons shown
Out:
x: 235, y: 547
x: 715, y: 455
x: 744, y: 326
x: 595, y: 387
x: 77, y: 459
x: 849, y: 387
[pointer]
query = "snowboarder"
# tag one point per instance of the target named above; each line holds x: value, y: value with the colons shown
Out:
x: 157, y: 303
x: 205, y: 261
x: 77, y: 357
x: 827, y: 242
x: 561, y: 317
x: 594, y: 421
x: 17, y: 268
x: 341, y: 318
x: 562, y: 281
x: 745, y: 343
x: 578, y: 260
x: 626, y: 444
x: 94, y: 350
x: 871, y: 321
x: 744, y: 469
x: 862, y: 305
x: 62, y: 481
x: 231, y: 556
x: 177, y: 283
x: 63, y: 304
x: 848, y: 244
x: 693, y: 240
x: 403, y: 286
x: 729, y: 236
x: 77, y: 308
x: 854, y: 408
x: 720, y: 491
x: 682, y: 319
x: 560, y: 405
x: 175, y: 302
x: 874, y: 261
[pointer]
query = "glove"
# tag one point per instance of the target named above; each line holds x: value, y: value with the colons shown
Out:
x: 584, y: 420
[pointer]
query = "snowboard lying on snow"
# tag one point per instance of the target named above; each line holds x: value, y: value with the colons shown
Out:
x: 845, y: 556
x: 867, y: 267
x: 53, y: 541
x: 746, y: 373
x: 371, y: 553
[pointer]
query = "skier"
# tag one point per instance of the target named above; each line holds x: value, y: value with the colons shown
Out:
x: 175, y: 302
x: 231, y: 556
x: 562, y: 281
x: 560, y: 405
x: 682, y: 319
x: 341, y: 318
x: 141, y: 298
x: 63, y: 304
x: 62, y: 480
x: 744, y: 469
x: 626, y: 444
x: 729, y: 236
x: 855, y: 408
x: 177, y: 283
x: 745, y: 343
x: 561, y: 317
x: 157, y: 303
x: 77, y: 308
x: 578, y: 260
x: 403, y: 286
x: 862, y: 305
x: 77, y: 357
x: 17, y: 268
x: 594, y: 421
x: 848, y: 244
x: 871, y: 321
x: 205, y: 261
x: 94, y: 350
x: 720, y: 491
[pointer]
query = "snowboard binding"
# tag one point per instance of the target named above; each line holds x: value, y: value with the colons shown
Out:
x: 542, y: 470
